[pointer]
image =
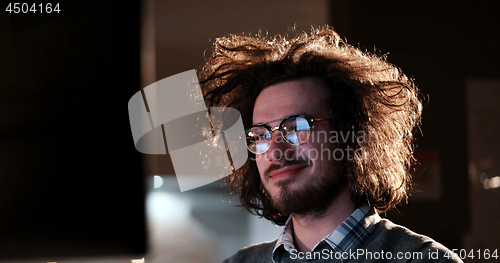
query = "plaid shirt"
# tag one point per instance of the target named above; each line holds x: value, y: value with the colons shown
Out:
x: 350, y: 235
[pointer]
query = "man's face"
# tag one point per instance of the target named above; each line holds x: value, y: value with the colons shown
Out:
x: 301, y: 179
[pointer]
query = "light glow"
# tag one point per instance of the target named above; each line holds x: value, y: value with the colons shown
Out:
x: 492, y: 183
x: 158, y: 181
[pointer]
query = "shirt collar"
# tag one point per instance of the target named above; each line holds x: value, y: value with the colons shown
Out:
x: 351, y: 234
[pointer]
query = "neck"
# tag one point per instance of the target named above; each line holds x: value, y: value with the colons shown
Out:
x: 310, y: 229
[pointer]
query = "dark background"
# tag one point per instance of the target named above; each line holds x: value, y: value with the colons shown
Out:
x: 440, y: 44
x: 70, y: 177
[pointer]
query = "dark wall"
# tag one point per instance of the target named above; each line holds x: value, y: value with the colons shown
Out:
x: 70, y: 177
x: 440, y: 44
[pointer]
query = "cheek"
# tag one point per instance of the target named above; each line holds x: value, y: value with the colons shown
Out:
x: 320, y: 153
x: 312, y: 151
x: 260, y: 162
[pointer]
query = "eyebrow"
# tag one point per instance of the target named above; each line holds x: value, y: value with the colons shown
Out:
x: 262, y: 123
x: 280, y: 119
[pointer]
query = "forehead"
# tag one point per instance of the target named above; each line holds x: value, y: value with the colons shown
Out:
x: 304, y: 96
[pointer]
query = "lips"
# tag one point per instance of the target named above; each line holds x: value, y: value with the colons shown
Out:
x: 287, y: 171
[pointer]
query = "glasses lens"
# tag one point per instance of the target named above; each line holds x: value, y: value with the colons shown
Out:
x: 296, y: 130
x: 258, y: 139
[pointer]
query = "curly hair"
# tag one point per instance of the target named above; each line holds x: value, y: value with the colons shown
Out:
x: 366, y: 93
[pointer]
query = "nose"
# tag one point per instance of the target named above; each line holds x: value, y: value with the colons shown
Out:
x: 279, y: 148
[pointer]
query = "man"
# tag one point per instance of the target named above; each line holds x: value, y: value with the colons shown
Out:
x: 329, y: 130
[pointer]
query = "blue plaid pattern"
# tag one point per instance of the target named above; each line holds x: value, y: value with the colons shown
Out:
x: 350, y: 235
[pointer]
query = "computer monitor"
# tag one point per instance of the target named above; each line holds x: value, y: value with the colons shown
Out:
x: 71, y: 181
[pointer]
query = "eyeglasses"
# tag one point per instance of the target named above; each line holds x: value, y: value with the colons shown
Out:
x: 294, y: 129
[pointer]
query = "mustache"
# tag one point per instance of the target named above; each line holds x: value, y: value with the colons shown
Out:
x: 286, y: 162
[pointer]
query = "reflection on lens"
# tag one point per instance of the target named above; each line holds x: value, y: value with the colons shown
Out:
x: 296, y: 130
x: 261, y: 147
x: 258, y: 139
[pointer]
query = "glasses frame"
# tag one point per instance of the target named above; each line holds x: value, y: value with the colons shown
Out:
x: 271, y: 130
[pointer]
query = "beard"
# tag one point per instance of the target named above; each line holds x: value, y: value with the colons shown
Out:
x: 312, y: 199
